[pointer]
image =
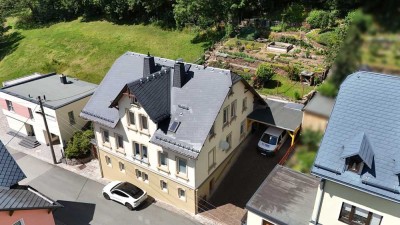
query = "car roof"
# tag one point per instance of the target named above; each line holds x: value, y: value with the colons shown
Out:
x: 274, y: 131
x: 127, y: 188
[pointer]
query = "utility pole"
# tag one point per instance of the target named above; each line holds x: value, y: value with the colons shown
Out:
x: 47, y: 131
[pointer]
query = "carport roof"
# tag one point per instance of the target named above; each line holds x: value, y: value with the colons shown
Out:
x: 283, y: 115
x: 285, y: 197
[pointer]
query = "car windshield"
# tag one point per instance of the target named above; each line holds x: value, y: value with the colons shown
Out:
x: 269, y: 139
x: 130, y: 189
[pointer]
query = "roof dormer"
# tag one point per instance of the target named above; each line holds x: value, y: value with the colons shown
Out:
x: 357, y: 153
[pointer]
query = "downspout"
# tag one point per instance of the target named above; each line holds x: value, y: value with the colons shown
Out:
x: 315, y: 216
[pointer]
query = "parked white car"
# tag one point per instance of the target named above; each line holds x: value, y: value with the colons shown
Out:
x: 271, y: 140
x: 124, y: 193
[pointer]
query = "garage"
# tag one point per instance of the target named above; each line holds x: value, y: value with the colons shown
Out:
x: 279, y: 114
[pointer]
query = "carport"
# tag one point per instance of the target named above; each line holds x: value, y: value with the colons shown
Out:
x: 284, y: 115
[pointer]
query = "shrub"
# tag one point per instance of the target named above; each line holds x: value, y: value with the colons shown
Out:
x: 311, y: 138
x: 320, y: 19
x: 294, y: 13
x: 79, y: 145
x: 296, y: 95
x: 293, y: 72
x: 263, y: 74
x: 328, y: 38
x: 328, y: 89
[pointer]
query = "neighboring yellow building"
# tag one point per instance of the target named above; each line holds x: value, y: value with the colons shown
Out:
x: 169, y: 127
x: 317, y: 112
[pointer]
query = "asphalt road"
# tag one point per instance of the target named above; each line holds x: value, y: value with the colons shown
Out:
x: 82, y: 199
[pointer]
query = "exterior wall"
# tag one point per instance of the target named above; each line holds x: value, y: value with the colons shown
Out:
x: 314, y: 122
x: 66, y: 129
x: 203, y: 174
x: 335, y: 194
x: 254, y: 219
x: 152, y: 187
x: 30, y: 217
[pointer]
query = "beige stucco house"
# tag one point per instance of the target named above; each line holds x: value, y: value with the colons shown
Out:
x: 169, y: 127
x: 359, y: 157
x: 63, y: 99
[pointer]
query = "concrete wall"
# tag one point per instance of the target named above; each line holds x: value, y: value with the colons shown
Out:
x: 202, y: 169
x: 30, y: 217
x: 314, y: 122
x: 336, y: 194
x: 254, y: 219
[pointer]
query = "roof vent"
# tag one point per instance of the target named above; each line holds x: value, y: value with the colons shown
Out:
x: 63, y: 79
x: 149, y: 65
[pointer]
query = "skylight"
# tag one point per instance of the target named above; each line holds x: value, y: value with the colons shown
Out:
x: 174, y: 126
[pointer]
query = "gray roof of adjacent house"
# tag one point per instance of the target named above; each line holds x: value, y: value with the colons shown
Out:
x: 283, y: 115
x: 56, y: 93
x: 10, y: 172
x: 364, y: 123
x: 320, y: 105
x: 189, y: 105
x: 25, y: 198
x: 285, y: 197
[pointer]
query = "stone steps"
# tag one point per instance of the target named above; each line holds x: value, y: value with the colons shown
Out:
x: 29, y: 142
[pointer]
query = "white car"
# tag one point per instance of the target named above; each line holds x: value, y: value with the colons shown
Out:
x: 124, y: 193
x: 271, y: 140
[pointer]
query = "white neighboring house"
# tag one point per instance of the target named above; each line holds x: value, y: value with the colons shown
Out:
x: 63, y: 99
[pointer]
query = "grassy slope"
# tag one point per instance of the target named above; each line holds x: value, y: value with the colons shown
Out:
x: 286, y: 87
x: 87, y: 50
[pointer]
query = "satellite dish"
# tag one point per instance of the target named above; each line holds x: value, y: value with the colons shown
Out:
x: 224, y: 145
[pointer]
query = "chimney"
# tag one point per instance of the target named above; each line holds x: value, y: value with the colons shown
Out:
x: 179, y: 78
x: 63, y: 79
x: 149, y: 66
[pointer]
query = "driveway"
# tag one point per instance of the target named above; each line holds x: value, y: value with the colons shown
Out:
x: 242, y: 181
x: 82, y: 199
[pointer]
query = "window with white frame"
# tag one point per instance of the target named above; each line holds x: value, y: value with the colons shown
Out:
x: 163, y: 185
x: 350, y: 214
x: 211, y: 159
x: 143, y: 122
x: 242, y: 127
x: 145, y: 177
x: 162, y: 159
x: 181, y: 166
x: 121, y: 167
x: 10, y: 106
x: 19, y: 222
x: 136, y: 150
x: 108, y: 160
x: 144, y: 154
x: 131, y: 118
x: 140, y: 152
x: 229, y: 140
x: 244, y: 104
x: 138, y: 174
x: 134, y: 100
x: 106, y: 136
x: 233, y: 109
x: 71, y: 118
x: 226, y: 116
x: 119, y: 141
x: 182, y: 193
x: 211, y: 134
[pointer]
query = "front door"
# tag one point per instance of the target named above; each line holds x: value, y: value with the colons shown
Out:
x: 30, y: 130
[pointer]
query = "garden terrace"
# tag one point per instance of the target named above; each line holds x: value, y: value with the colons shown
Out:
x: 280, y: 47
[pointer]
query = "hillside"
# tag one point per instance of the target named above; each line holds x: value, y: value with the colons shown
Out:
x: 87, y: 49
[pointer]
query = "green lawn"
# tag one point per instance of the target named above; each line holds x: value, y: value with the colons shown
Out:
x: 283, y: 86
x: 87, y: 49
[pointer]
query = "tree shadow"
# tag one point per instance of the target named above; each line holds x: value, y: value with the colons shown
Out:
x: 77, y: 213
x: 271, y: 84
x: 9, y: 43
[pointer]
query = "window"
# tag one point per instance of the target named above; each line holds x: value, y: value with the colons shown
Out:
x: 10, y: 106
x: 120, y: 193
x: 353, y: 215
x: 226, y: 115
x: 140, y: 152
x: 138, y: 174
x: 136, y: 149
x: 19, y: 222
x: 233, y: 109
x: 131, y: 118
x: 354, y: 164
x: 242, y: 127
x: 181, y: 166
x: 106, y: 136
x: 120, y: 141
x: 163, y: 185
x: 229, y: 140
x: 211, y: 159
x: 121, y: 167
x: 244, y: 104
x: 108, y: 161
x: 71, y: 118
x: 143, y: 122
x: 163, y: 157
x: 211, y: 134
x: 134, y: 100
x: 145, y: 177
x: 144, y: 153
x: 181, y: 194
x: 30, y: 113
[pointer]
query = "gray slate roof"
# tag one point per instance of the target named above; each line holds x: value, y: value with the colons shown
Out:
x: 367, y: 106
x: 285, y: 197
x: 320, y: 105
x: 25, y: 198
x: 195, y: 105
x: 57, y: 94
x: 360, y: 146
x: 10, y: 172
x: 287, y: 116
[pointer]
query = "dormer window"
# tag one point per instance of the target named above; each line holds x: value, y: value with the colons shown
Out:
x: 354, y: 164
x: 134, y: 100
